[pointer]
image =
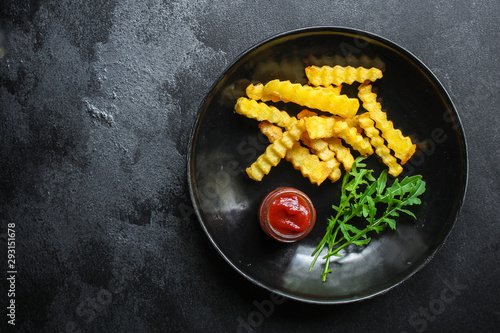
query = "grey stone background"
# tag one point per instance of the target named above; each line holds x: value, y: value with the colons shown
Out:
x: 97, y: 100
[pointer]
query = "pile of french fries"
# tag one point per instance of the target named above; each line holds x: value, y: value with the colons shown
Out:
x: 318, y: 144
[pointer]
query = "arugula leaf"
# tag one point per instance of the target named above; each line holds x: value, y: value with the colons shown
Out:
x: 361, y: 196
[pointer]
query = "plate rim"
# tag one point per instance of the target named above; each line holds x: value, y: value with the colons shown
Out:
x: 342, y: 30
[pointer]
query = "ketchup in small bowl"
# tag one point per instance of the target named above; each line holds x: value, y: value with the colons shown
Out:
x: 287, y: 214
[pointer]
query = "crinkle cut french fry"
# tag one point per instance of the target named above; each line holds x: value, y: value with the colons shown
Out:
x: 261, y: 111
x: 322, y: 136
x: 306, y: 113
x: 309, y: 165
x: 308, y: 96
x: 326, y: 127
x: 272, y: 132
x: 402, y: 146
x: 320, y: 127
x: 275, y: 152
x: 342, y: 153
x: 321, y: 149
x: 330, y: 88
x: 327, y: 75
x: 256, y: 92
x: 335, y: 174
x: 378, y: 143
x: 315, y: 174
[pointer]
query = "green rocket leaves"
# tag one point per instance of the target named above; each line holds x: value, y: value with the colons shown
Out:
x: 364, y: 196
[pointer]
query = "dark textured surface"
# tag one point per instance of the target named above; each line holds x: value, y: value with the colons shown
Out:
x: 97, y: 100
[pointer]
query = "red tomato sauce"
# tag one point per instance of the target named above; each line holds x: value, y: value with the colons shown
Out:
x: 287, y: 214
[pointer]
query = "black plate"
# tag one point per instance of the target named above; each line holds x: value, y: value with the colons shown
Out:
x: 224, y: 143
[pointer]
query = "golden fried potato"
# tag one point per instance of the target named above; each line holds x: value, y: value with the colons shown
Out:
x: 313, y: 143
x: 335, y: 174
x: 402, y: 146
x: 309, y: 165
x: 378, y: 143
x: 272, y: 132
x: 320, y: 147
x: 342, y: 153
x: 256, y: 92
x: 306, y: 113
x: 316, y: 98
x: 275, y: 152
x: 352, y: 122
x: 327, y: 75
x: 334, y: 89
x: 261, y: 111
x: 326, y: 127
x: 320, y: 127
